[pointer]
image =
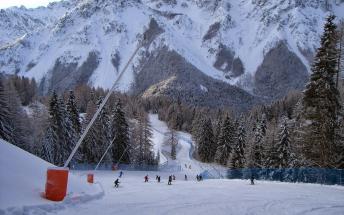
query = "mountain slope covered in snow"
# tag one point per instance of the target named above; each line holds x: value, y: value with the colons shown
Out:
x: 263, y: 47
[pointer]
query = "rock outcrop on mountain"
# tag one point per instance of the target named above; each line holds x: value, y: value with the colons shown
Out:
x: 212, y: 53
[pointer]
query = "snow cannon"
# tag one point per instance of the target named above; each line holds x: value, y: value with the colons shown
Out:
x: 56, y: 184
x: 90, y: 178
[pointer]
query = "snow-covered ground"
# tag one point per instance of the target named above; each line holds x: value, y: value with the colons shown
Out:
x: 219, y: 196
x: 185, y: 150
x: 23, y: 179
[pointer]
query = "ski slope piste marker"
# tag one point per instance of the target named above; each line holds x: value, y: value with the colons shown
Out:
x: 57, y: 178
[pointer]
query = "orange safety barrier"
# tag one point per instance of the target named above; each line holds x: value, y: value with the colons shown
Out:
x: 56, y: 185
x: 90, y: 178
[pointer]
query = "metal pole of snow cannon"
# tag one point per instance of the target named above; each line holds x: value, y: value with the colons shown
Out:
x: 119, y: 160
x: 101, y: 159
x: 57, y: 179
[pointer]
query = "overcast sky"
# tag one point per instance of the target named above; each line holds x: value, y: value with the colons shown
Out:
x: 26, y: 3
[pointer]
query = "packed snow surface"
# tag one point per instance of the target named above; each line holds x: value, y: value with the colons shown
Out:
x: 219, y: 196
x: 24, y: 177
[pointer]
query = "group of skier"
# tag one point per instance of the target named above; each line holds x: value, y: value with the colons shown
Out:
x: 186, y: 166
x: 170, y: 179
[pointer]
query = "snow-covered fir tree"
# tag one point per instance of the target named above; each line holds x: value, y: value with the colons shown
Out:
x: 321, y: 102
x: 20, y: 131
x: 263, y: 124
x: 98, y: 138
x: 68, y: 134
x: 217, y: 129
x: 140, y: 138
x: 173, y: 142
x: 73, y: 113
x: 104, y: 129
x: 60, y: 135
x: 197, y: 123
x: 284, y: 154
x: 226, y: 142
x: 5, y: 119
x: 339, y: 145
x: 205, y: 141
x: 90, y: 146
x: 237, y: 159
x: 147, y: 142
x: 257, y: 149
x: 120, y: 135
x: 52, y: 145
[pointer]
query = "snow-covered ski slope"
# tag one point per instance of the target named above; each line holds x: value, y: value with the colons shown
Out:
x: 219, y: 196
x: 185, y: 149
x: 22, y: 182
x: 23, y: 178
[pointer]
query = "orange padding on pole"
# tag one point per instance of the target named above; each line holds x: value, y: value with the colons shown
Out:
x: 90, y: 178
x: 56, y: 185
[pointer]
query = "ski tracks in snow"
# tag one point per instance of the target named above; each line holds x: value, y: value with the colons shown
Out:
x: 53, y: 207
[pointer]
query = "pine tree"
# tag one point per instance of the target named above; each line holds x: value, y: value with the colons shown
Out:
x: 5, y: 118
x: 283, y: 148
x: 226, y: 142
x: 147, y: 142
x: 339, y: 145
x: 321, y: 102
x: 20, y: 131
x: 205, y: 142
x: 68, y: 136
x: 59, y: 138
x: 51, y: 143
x: 157, y: 159
x: 257, y: 153
x: 73, y: 113
x: 238, y: 156
x: 217, y: 132
x: 89, y: 148
x: 142, y: 147
x: 263, y: 125
x: 197, y: 123
x: 173, y: 142
x: 120, y: 135
x: 48, y: 145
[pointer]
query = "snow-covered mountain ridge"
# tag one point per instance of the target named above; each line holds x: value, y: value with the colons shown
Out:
x: 262, y: 46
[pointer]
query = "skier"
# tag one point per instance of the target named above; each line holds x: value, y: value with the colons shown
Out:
x: 120, y: 174
x: 200, y: 177
x: 169, y: 180
x: 186, y: 177
x: 174, y: 177
x: 197, y: 177
x: 158, y: 179
x: 146, y: 178
x: 117, y: 183
x: 252, y: 179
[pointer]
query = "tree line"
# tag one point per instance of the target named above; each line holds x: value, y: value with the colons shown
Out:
x: 50, y: 126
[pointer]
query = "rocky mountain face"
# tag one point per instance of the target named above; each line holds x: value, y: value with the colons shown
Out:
x: 206, y: 52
